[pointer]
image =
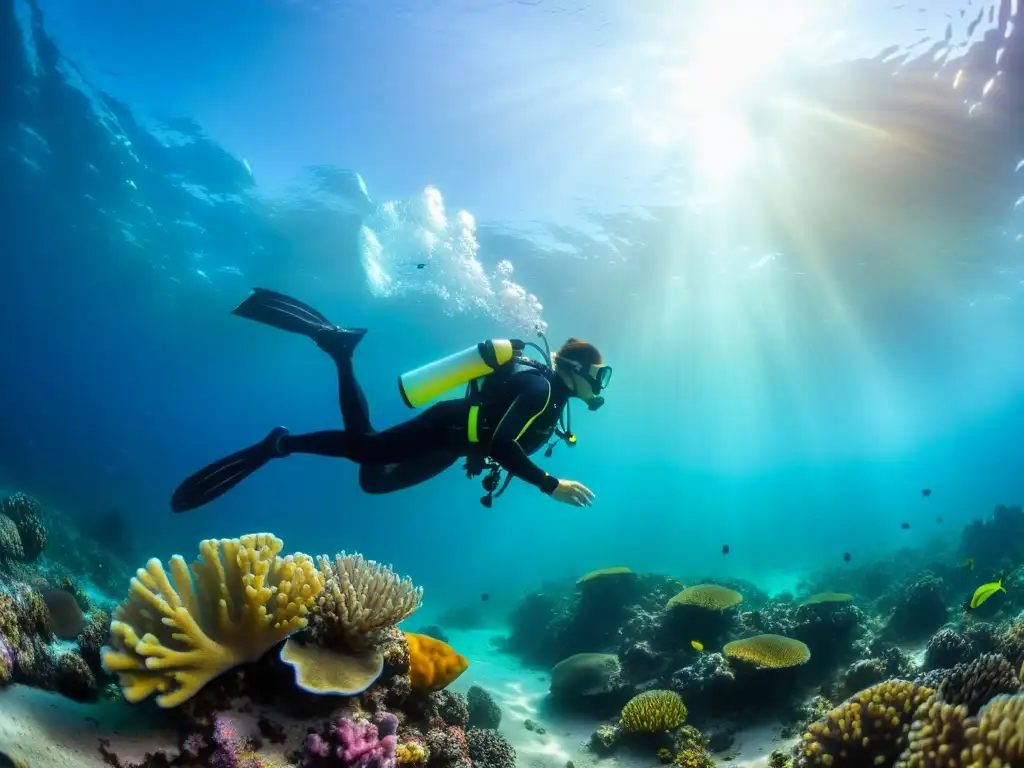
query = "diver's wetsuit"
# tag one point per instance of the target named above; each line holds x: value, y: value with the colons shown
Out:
x: 518, y: 415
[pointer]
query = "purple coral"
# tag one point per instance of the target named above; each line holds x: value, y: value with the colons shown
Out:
x: 354, y: 744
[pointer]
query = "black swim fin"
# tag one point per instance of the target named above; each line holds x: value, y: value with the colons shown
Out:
x: 283, y: 312
x: 220, y: 477
x: 288, y: 314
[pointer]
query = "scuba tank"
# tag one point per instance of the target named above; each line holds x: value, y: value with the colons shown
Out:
x: 428, y: 382
x: 468, y: 367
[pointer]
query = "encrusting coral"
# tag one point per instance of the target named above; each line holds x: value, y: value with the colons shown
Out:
x: 173, y: 635
x: 360, y: 598
x: 653, y: 712
x: 323, y: 671
x: 768, y: 651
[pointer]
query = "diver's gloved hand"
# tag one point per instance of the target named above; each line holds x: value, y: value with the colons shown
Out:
x: 571, y: 492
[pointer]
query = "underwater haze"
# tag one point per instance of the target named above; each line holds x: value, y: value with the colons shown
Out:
x: 795, y: 230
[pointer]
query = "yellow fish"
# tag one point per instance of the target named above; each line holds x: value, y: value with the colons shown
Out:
x: 969, y: 563
x: 985, y: 591
x: 697, y: 645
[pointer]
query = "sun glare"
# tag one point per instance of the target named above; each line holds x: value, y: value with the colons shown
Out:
x: 701, y: 90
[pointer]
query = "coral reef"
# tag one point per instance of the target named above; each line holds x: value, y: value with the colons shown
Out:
x: 482, y: 710
x: 26, y: 513
x: 489, y: 749
x: 172, y: 639
x: 947, y: 648
x: 920, y: 610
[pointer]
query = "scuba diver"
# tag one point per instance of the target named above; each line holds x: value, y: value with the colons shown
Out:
x: 514, y: 405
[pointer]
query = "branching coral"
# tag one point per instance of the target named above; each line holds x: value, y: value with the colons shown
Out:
x: 768, y: 651
x: 868, y: 729
x: 360, y: 598
x: 653, y: 712
x: 173, y: 635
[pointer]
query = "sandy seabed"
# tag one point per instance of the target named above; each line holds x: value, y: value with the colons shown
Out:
x: 45, y: 729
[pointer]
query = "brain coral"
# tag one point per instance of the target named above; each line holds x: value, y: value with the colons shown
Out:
x: 868, y: 729
x: 173, y: 635
x: 654, y: 712
x: 708, y: 596
x: 768, y: 651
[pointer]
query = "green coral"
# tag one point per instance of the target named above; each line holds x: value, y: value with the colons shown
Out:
x: 653, y: 712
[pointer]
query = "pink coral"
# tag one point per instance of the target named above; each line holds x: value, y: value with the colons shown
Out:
x: 354, y: 744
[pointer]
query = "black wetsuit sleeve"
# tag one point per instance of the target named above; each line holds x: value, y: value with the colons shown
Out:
x: 533, y: 395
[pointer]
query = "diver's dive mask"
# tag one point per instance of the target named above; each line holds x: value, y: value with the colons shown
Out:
x: 597, y: 376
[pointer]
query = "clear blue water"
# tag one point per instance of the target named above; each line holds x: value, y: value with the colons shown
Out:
x: 795, y: 235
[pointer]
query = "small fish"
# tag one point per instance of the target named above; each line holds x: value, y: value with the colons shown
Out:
x: 697, y: 645
x: 985, y: 591
x: 905, y: 526
x: 926, y: 492
x: 969, y: 563
x: 846, y: 557
x: 938, y: 519
x: 421, y: 265
x: 485, y: 597
x: 725, y: 549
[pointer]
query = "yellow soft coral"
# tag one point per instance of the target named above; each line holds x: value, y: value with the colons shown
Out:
x: 411, y: 753
x: 768, y: 651
x: 173, y: 635
x: 653, y: 712
x: 432, y: 664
